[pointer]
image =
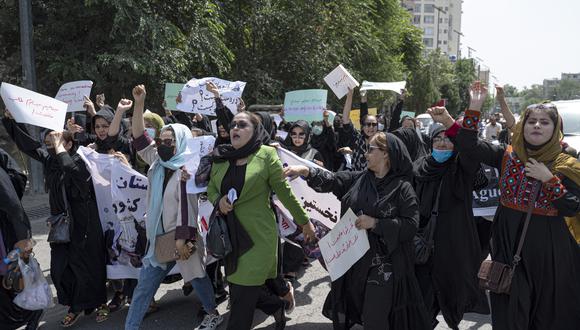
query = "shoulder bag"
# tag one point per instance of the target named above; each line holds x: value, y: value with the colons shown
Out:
x: 60, y: 224
x: 496, y: 276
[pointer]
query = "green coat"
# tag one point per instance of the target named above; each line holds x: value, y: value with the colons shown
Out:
x: 254, y: 211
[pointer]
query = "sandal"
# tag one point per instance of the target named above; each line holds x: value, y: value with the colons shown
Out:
x: 289, y: 300
x: 119, y: 301
x: 70, y: 319
x: 102, y: 313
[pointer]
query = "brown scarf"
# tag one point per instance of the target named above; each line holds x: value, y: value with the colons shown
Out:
x: 550, y: 152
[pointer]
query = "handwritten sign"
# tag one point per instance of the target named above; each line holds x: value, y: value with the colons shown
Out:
x: 306, y: 104
x: 73, y: 93
x: 343, y: 246
x: 171, y: 92
x: 340, y: 80
x: 395, y: 86
x: 323, y: 207
x: 196, y: 99
x: 196, y: 148
x: 32, y: 108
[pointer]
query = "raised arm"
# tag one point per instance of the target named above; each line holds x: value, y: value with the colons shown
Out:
x: 25, y: 143
x: 69, y: 166
x: 510, y: 120
x: 347, y: 108
x: 122, y: 107
x: 223, y: 114
x: 324, y: 181
x: 138, y: 123
x: 364, y: 107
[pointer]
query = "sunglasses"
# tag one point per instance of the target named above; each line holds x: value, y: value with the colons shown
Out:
x: 167, y: 142
x: 371, y: 148
x: 371, y: 125
x: 239, y: 124
x: 298, y: 134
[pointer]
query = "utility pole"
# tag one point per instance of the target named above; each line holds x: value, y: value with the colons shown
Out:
x: 29, y: 81
x: 459, y: 35
x: 439, y: 10
x: 469, y: 50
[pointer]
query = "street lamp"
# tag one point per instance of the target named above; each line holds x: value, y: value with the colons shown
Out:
x: 459, y: 34
x: 439, y: 10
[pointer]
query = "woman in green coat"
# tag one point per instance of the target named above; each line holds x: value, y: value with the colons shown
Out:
x: 253, y: 171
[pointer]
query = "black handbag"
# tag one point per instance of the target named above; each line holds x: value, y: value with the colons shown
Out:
x: 60, y: 224
x: 424, y: 239
x: 496, y: 276
x: 218, y: 240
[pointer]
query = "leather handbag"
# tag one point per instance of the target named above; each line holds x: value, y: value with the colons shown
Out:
x: 218, y: 240
x: 496, y: 276
x: 424, y: 239
x: 165, y: 249
x: 60, y: 224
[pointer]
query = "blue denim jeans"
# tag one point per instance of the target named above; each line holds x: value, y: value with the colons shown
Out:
x: 149, y: 280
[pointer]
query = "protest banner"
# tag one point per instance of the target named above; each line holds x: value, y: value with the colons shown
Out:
x: 340, y: 80
x: 171, y: 92
x: 305, y: 104
x: 196, y: 99
x: 73, y: 93
x: 196, y: 148
x: 205, y: 208
x: 408, y: 114
x: 486, y: 200
x: 32, y: 108
x: 323, y: 207
x: 343, y: 246
x: 395, y: 86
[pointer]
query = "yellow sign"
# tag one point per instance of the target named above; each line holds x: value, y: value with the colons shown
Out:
x: 355, y: 116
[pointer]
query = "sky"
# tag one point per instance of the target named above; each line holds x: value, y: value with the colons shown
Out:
x: 523, y: 41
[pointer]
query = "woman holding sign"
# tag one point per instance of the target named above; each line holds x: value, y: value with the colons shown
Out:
x: 243, y: 176
x: 77, y: 268
x: 171, y: 218
x: 541, y: 183
x: 380, y: 290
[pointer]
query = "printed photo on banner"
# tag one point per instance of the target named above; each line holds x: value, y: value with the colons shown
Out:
x: 196, y: 99
x: 205, y: 208
x: 305, y: 104
x: 343, y: 246
x: 340, y: 80
x: 322, y: 207
x: 197, y: 148
x: 395, y: 86
x: 171, y: 92
x: 73, y: 93
x: 28, y: 107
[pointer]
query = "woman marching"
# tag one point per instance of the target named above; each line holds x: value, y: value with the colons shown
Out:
x: 380, y: 290
x: 545, y: 292
x: 77, y: 268
x: 170, y: 209
x: 253, y: 171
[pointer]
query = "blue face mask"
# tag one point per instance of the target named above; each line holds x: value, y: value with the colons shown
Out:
x: 441, y: 156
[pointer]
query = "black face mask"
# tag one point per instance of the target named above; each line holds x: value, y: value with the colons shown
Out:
x: 165, y: 152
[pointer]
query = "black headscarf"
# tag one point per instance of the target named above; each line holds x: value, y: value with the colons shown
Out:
x: 412, y: 141
x: 289, y: 143
x: 268, y: 125
x: 103, y: 146
x: 227, y: 152
x: 405, y: 117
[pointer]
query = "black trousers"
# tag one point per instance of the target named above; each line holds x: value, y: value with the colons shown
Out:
x: 245, y: 299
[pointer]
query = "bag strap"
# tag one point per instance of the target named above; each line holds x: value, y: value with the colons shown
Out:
x: 532, y: 200
x: 434, y: 213
x: 65, y: 201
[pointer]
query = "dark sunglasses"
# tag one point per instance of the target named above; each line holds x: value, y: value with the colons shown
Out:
x: 298, y: 134
x: 239, y: 124
x: 371, y: 125
x: 167, y: 142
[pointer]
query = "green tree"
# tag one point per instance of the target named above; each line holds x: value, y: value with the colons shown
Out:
x: 510, y: 91
x: 567, y: 90
x: 465, y: 75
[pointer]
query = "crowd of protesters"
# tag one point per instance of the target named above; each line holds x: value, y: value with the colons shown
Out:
x: 411, y: 190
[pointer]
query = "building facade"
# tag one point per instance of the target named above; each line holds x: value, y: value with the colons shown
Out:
x: 440, y: 21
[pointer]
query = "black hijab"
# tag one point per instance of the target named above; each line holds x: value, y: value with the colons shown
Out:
x: 227, y: 152
x: 289, y: 143
x: 268, y: 125
x: 426, y: 168
x: 412, y: 141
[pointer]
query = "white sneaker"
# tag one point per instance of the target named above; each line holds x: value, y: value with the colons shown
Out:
x: 210, y: 322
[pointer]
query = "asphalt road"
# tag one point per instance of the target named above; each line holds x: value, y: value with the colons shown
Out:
x: 180, y: 312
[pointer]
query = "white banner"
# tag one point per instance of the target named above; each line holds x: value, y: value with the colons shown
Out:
x: 395, y: 86
x: 196, y: 99
x: 196, y: 148
x: 204, y: 212
x: 486, y: 200
x: 324, y: 207
x: 73, y: 93
x: 340, y: 80
x: 343, y: 246
x: 32, y: 108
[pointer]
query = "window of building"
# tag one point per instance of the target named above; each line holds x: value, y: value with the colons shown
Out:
x: 417, y: 19
x: 428, y: 42
x: 446, y: 8
x: 445, y: 42
x: 429, y: 8
x: 417, y: 8
x: 429, y: 19
x: 428, y: 31
x: 441, y: 20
